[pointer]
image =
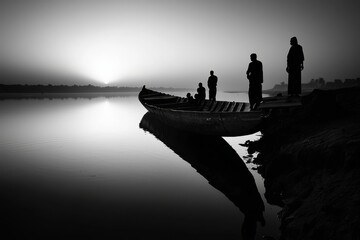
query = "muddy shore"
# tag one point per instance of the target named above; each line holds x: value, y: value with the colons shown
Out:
x: 310, y: 160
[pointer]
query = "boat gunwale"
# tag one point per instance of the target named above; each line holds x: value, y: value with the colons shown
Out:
x: 257, y: 112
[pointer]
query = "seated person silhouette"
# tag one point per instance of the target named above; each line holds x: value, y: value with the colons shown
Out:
x: 201, y: 93
x: 190, y: 98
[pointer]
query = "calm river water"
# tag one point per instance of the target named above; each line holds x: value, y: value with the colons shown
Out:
x: 94, y: 167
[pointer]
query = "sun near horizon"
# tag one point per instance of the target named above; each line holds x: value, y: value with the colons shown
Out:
x: 174, y: 43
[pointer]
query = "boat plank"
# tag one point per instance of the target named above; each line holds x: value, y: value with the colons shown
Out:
x: 242, y: 107
x: 202, y: 104
x: 227, y: 105
x: 219, y: 107
x: 236, y: 107
x: 186, y: 107
x: 183, y: 100
x: 214, y: 106
x: 247, y: 107
x: 152, y: 94
x: 222, y: 107
x: 231, y: 107
x: 165, y: 97
x: 169, y: 105
x: 208, y: 105
x: 279, y: 104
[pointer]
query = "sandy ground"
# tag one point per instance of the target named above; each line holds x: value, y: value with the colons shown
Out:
x: 310, y: 159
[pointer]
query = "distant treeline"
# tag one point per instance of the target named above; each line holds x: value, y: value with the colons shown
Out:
x: 17, y: 88
x: 320, y: 83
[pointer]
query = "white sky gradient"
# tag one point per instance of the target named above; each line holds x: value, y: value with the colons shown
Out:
x: 172, y: 43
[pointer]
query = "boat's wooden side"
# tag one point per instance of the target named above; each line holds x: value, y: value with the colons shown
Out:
x: 219, y: 118
x: 276, y: 103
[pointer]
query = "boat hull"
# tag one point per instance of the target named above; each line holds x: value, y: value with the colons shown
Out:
x: 217, y: 124
x: 206, y: 122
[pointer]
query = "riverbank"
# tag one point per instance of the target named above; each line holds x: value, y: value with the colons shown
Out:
x: 310, y: 160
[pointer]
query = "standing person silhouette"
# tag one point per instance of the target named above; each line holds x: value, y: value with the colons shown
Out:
x: 212, y: 83
x: 255, y: 75
x: 295, y: 64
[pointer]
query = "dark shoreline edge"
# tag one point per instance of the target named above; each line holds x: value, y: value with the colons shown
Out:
x: 310, y: 160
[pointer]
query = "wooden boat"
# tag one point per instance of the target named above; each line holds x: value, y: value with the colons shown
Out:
x: 218, y: 118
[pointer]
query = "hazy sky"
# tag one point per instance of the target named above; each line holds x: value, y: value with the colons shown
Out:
x: 174, y: 43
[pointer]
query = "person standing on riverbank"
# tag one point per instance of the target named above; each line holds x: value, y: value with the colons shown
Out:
x: 295, y: 64
x: 212, y: 83
x: 255, y: 75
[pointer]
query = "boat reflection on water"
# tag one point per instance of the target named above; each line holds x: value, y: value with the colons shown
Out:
x: 219, y: 163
